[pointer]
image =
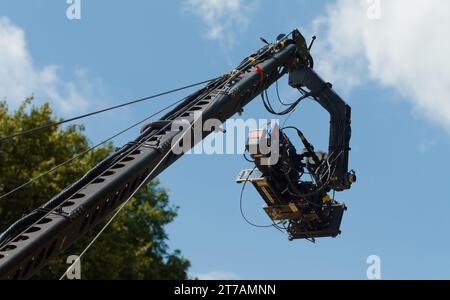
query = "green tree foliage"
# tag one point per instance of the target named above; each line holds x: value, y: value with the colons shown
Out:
x: 133, y: 247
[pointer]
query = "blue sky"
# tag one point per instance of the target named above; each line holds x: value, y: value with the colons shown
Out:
x: 389, y: 69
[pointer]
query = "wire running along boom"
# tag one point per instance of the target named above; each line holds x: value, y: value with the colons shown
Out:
x: 54, y: 124
x: 79, y: 155
x: 30, y: 243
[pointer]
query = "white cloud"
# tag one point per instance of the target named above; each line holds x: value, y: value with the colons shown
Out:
x: 223, y: 18
x: 20, y: 79
x: 217, y: 275
x: 407, y: 49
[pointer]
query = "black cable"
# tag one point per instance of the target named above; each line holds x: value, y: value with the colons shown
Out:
x: 291, y: 108
x: 305, y: 142
x: 269, y: 104
x: 303, y: 92
x: 292, y: 190
x: 242, y: 209
x: 278, y: 96
x: 319, y: 189
x: 270, y: 109
x: 54, y: 124
x: 280, y: 229
x: 274, y: 225
x: 248, y: 159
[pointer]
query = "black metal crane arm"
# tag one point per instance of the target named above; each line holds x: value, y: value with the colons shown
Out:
x: 340, y: 122
x: 39, y: 237
x: 30, y: 243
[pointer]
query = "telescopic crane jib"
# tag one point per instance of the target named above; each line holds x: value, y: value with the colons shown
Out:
x: 303, y: 208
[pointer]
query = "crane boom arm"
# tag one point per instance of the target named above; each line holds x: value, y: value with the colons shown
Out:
x: 83, y: 205
x: 30, y: 243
